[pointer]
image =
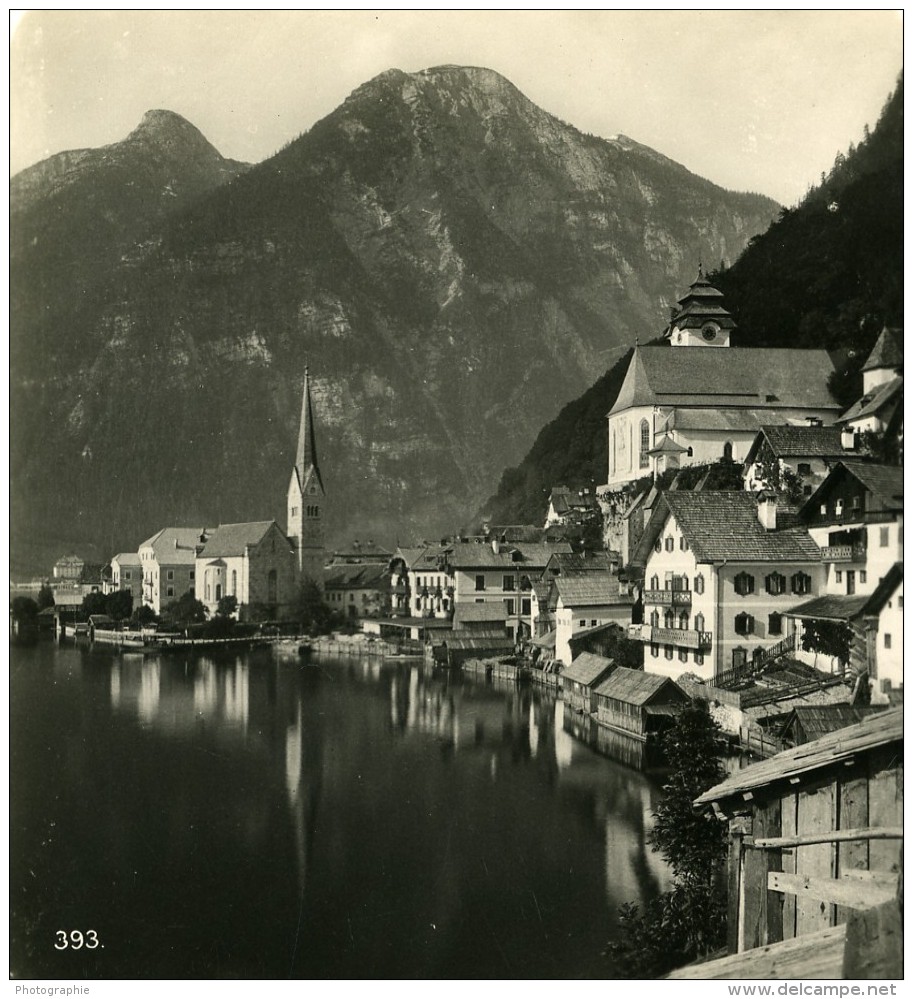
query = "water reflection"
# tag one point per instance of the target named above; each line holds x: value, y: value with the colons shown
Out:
x: 360, y: 819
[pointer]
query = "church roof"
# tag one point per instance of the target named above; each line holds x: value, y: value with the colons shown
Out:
x: 233, y: 539
x: 667, y: 445
x: 887, y: 352
x: 767, y: 378
x: 873, y: 402
x: 306, y: 453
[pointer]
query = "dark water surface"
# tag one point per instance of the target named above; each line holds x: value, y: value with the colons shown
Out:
x: 243, y: 817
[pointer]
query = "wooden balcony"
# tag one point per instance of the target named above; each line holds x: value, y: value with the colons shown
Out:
x: 844, y: 553
x: 683, y: 638
x: 668, y: 598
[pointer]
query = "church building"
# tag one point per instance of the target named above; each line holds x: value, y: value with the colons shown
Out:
x: 699, y: 399
x: 307, y: 497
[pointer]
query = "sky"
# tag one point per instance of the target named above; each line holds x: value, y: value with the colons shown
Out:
x: 754, y: 101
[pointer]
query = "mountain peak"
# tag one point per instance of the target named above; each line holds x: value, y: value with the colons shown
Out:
x: 163, y: 125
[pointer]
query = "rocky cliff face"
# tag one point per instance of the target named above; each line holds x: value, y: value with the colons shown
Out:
x: 454, y: 264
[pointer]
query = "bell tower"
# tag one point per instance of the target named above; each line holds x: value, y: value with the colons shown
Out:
x: 700, y: 320
x: 306, y: 496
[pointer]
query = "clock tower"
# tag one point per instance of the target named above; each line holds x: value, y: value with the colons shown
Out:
x: 700, y: 319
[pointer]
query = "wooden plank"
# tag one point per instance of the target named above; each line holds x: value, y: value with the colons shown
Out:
x: 874, y: 943
x: 886, y: 809
x: 852, y: 853
x: 886, y: 878
x: 815, y: 956
x: 833, y: 836
x: 755, y: 866
x: 852, y: 892
x: 734, y: 874
x: 788, y: 862
x: 816, y: 811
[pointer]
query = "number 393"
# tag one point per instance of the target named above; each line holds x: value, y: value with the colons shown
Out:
x: 75, y: 940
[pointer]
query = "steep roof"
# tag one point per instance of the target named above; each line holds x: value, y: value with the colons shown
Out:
x: 717, y: 419
x: 127, y: 558
x: 233, y: 539
x: 493, y: 610
x: 878, y: 730
x: 634, y: 686
x: 175, y: 545
x: 885, y: 481
x: 822, y: 719
x: 365, y: 576
x: 587, y: 668
x: 306, y: 452
x: 724, y: 526
x: 761, y: 378
x: 801, y: 442
x: 887, y: 352
x: 591, y: 589
x: 873, y: 402
x: 885, y: 589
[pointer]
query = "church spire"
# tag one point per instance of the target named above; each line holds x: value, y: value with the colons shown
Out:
x: 306, y: 455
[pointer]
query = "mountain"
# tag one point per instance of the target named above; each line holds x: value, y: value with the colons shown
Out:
x: 828, y: 273
x: 454, y: 263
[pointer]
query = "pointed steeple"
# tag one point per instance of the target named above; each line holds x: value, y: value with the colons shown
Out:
x: 306, y: 455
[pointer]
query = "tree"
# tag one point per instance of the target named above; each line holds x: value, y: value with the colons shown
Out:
x: 227, y: 606
x: 312, y: 613
x: 24, y: 609
x: 94, y: 603
x: 186, y: 610
x: 690, y: 919
x: 119, y: 604
x: 45, y: 597
x: 144, y: 615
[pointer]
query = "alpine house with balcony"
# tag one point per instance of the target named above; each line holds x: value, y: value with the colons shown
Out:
x: 718, y: 578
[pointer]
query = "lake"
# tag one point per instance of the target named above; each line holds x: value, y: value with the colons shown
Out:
x: 242, y: 816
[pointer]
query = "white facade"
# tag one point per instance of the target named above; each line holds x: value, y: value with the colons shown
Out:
x: 571, y: 620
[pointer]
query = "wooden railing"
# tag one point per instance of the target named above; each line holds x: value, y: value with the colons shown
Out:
x: 668, y: 598
x: 682, y: 637
x: 844, y: 553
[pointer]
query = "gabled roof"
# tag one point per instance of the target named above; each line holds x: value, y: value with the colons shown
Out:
x: 364, y: 576
x: 799, y: 442
x: 469, y: 555
x: 885, y: 589
x: 873, y: 402
x: 233, y: 539
x: 635, y: 687
x: 724, y: 526
x: 822, y: 719
x: 571, y: 564
x: 127, y: 558
x: 423, y: 559
x: 588, y: 668
x: 592, y: 589
x: 879, y: 730
x: 761, y: 378
x: 887, y: 352
x: 883, y: 481
x: 175, y: 545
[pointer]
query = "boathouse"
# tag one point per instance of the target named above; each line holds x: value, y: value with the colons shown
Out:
x: 581, y: 678
x: 638, y: 703
x: 815, y: 840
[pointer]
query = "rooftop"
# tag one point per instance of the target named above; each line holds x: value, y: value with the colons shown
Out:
x: 802, y: 442
x: 233, y: 539
x: 176, y: 545
x: 634, y: 686
x: 587, y: 668
x: 592, y: 588
x: 887, y: 352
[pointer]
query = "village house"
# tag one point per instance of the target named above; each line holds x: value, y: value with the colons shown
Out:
x: 358, y: 591
x: 254, y: 562
x: 168, y: 563
x: 570, y: 506
x: 127, y: 574
x: 421, y: 583
x: 815, y: 865
x: 68, y: 568
x: 807, y: 453
x: 718, y: 579
x: 700, y: 404
x: 585, y: 601
x: 881, y: 402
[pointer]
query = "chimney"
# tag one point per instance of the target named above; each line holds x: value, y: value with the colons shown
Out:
x: 848, y: 439
x: 767, y: 510
x: 495, y: 545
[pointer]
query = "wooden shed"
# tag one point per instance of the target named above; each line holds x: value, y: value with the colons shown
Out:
x: 815, y: 841
x: 580, y: 679
x: 807, y: 722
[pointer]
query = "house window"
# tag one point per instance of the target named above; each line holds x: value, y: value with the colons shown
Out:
x: 170, y: 574
x: 658, y: 546
x: 668, y: 619
x: 683, y: 621
x: 670, y: 544
x: 668, y: 651
x: 583, y: 622
x: 838, y: 507
x: 508, y: 583
x: 699, y: 658
x: 887, y: 640
x: 805, y: 468
x: 775, y: 624
x: 525, y: 606
x: 739, y: 657
x: 644, y: 443
x: 823, y: 509
x: 480, y: 583
x: 699, y: 584
x: 775, y: 583
x: 683, y: 655
x: 593, y: 623
x: 509, y: 605
x: 838, y: 576
x: 862, y: 576
x: 883, y: 537
x: 169, y: 592
x: 727, y: 451
x: 654, y: 619
x: 654, y: 582
x: 208, y: 593
x: 683, y: 544
x: 654, y: 649
x: 193, y: 575
x: 801, y: 583
x: 744, y: 584
x: 855, y: 503
x: 698, y: 622
x: 744, y: 624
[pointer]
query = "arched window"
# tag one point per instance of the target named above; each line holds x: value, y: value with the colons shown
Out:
x: 644, y: 443
x: 654, y: 582
x: 683, y: 621
x: 654, y: 619
x: 669, y: 619
x: 699, y: 583
x: 727, y: 451
x: 698, y: 622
